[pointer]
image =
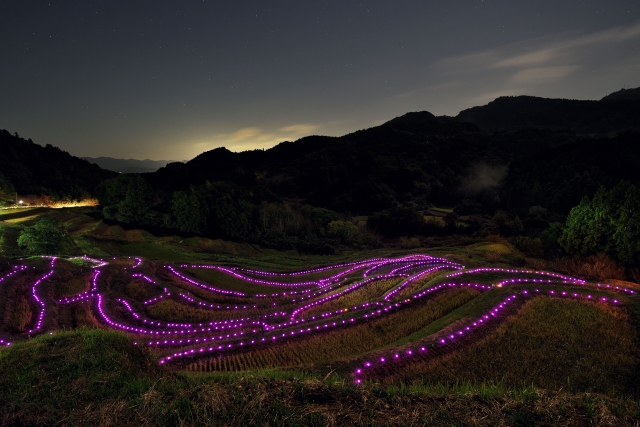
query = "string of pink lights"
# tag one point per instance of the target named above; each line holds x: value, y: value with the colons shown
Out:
x: 368, y: 367
x: 14, y: 270
x: 231, y: 346
x: 41, y: 303
x: 281, y: 316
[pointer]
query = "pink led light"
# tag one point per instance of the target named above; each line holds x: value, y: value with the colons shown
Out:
x: 269, y: 324
x: 202, y: 285
x: 40, y: 318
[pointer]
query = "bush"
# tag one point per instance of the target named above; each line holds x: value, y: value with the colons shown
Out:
x: 608, y: 223
x: 397, y: 222
x: 317, y: 246
x: 597, y: 267
x: 409, y: 243
x: 530, y: 246
x: 44, y: 238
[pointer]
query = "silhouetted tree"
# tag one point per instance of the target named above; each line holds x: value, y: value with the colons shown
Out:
x: 135, y: 205
x: 343, y: 231
x: 7, y: 191
x: 188, y: 212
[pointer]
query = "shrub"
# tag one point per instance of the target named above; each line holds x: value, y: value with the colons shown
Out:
x: 530, y: 246
x: 43, y: 238
x: 608, y: 223
x: 597, y: 267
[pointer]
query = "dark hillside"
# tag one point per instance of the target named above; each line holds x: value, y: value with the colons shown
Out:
x: 580, y: 117
x: 552, y: 151
x: 624, y: 95
x: 422, y: 159
x: 215, y: 165
x: 416, y: 157
x: 33, y: 169
x: 558, y: 177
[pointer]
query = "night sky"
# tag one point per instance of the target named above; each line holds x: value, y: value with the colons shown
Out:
x: 171, y: 79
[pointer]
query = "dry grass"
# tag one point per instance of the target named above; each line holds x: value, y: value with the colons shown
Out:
x: 115, y: 232
x: 171, y: 311
x: 550, y: 343
x: 498, y: 248
x: 138, y: 236
x: 73, y: 286
x: 225, y: 281
x: 346, y: 342
x: 597, y: 267
x: 415, y: 286
x: 370, y: 292
x: 139, y: 291
x: 19, y: 315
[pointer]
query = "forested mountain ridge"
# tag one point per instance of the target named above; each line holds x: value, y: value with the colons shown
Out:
x: 34, y: 169
x: 624, y: 95
x: 417, y: 157
x: 558, y: 177
x: 614, y: 113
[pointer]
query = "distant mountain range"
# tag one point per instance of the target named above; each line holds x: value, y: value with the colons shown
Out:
x: 420, y: 158
x: 615, y: 112
x: 128, y: 165
x: 497, y: 154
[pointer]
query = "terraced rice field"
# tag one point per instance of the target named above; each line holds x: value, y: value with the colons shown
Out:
x: 380, y: 319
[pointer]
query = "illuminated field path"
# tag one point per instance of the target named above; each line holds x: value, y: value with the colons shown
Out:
x: 303, y: 303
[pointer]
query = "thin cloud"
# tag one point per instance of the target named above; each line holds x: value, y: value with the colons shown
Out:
x: 543, y: 51
x: 487, y: 97
x: 300, y: 129
x: 563, y: 63
x: 543, y: 74
x: 539, y: 57
x: 255, y: 138
x: 244, y: 133
x: 444, y: 86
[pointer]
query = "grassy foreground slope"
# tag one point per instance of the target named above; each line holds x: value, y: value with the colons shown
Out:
x: 93, y: 377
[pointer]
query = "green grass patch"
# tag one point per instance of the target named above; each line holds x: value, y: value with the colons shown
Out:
x: 498, y: 248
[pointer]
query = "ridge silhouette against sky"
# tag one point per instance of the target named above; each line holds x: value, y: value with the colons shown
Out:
x: 171, y: 79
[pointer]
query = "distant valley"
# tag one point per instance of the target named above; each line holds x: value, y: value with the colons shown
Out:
x: 128, y: 165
